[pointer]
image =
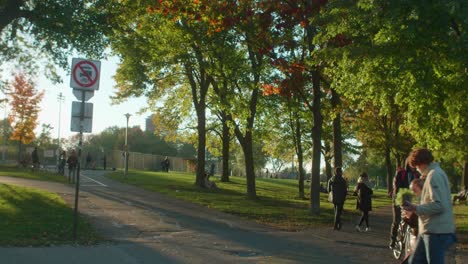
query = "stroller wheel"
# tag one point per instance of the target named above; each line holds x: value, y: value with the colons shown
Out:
x: 398, y: 250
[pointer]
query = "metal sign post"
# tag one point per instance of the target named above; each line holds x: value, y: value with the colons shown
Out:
x: 84, y: 81
x: 77, y: 185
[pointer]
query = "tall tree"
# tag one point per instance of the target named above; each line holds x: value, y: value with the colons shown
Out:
x: 25, y: 100
x: 407, y: 61
x: 31, y: 30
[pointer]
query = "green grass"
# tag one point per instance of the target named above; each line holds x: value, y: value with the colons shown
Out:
x: 278, y: 204
x: 15, y: 171
x: 30, y: 217
x: 461, y: 221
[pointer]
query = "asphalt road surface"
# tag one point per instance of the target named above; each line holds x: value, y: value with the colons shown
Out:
x: 146, y: 227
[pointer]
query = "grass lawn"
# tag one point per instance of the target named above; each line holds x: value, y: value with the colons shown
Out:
x: 461, y: 221
x: 31, y: 217
x: 15, y: 171
x: 278, y: 202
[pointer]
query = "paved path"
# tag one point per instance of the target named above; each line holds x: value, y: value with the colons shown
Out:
x: 146, y: 227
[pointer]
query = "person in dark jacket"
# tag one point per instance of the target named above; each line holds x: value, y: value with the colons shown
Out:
x: 338, y: 186
x: 72, y: 163
x: 402, y: 179
x: 364, y: 192
x: 35, y: 159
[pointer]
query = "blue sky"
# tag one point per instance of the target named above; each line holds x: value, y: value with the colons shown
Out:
x: 104, y: 114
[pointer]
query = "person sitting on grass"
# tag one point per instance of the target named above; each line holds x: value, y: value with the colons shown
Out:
x: 461, y: 196
x: 209, y: 184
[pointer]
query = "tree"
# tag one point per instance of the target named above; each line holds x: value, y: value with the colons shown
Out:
x: 45, y: 138
x: 407, y: 62
x: 24, y: 103
x: 31, y: 30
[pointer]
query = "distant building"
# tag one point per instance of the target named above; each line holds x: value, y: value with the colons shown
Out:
x: 149, y: 126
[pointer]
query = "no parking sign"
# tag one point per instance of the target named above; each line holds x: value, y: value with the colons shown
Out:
x: 85, y: 74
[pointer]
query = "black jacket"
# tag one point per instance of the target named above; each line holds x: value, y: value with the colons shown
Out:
x: 338, y: 186
x: 364, y: 197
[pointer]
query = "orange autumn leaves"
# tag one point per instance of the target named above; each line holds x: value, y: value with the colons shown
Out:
x: 24, y: 100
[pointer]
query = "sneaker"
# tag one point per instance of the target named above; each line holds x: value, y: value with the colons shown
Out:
x: 358, y: 228
x: 368, y: 229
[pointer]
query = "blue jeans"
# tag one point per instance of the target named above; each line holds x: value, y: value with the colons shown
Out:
x: 430, y: 248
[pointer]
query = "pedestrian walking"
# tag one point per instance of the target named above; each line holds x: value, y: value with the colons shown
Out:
x: 72, y: 162
x: 337, y: 186
x: 89, y: 159
x: 104, y: 162
x: 364, y: 192
x: 35, y: 159
x: 62, y: 161
x: 436, y: 222
x: 166, y: 164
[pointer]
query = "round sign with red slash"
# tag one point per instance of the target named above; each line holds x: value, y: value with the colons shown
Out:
x: 85, y: 74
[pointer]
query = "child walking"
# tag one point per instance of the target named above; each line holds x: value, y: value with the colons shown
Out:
x: 364, y: 192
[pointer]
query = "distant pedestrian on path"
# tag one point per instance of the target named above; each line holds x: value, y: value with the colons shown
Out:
x: 72, y: 161
x: 104, y: 162
x: 62, y: 161
x: 35, y: 159
x: 89, y: 159
x: 435, y: 211
x: 364, y: 192
x: 165, y: 164
x: 338, y: 187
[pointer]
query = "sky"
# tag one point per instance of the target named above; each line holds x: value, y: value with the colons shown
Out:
x: 104, y: 114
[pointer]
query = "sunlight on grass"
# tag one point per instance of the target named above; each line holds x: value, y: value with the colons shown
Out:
x: 27, y: 173
x: 31, y: 217
x: 278, y: 204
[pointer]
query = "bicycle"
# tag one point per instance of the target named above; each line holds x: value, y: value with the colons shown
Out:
x: 403, y: 240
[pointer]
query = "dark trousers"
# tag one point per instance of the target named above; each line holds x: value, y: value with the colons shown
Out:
x: 338, y: 211
x: 430, y: 248
x: 364, y: 217
x: 396, y: 210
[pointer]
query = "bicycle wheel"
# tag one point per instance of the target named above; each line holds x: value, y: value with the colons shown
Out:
x: 399, y: 251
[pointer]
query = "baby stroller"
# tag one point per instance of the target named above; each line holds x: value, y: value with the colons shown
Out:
x: 403, y: 240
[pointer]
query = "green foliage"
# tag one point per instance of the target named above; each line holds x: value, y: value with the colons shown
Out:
x: 404, y: 195
x: 113, y: 138
x: 49, y: 31
x: 412, y: 51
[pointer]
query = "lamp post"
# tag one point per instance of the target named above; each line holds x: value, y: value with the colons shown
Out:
x: 60, y: 99
x: 127, y: 115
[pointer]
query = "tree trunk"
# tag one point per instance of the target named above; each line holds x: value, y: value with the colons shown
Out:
x: 465, y: 174
x: 200, y: 177
x: 389, y: 168
x: 317, y: 145
x: 249, y: 166
x: 199, y: 87
x: 300, y: 157
x: 226, y: 138
x: 328, y: 166
x: 337, y: 136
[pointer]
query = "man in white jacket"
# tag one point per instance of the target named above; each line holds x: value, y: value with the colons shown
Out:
x: 435, y: 211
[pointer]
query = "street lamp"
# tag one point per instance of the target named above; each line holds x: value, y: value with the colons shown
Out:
x: 60, y: 99
x: 127, y: 115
